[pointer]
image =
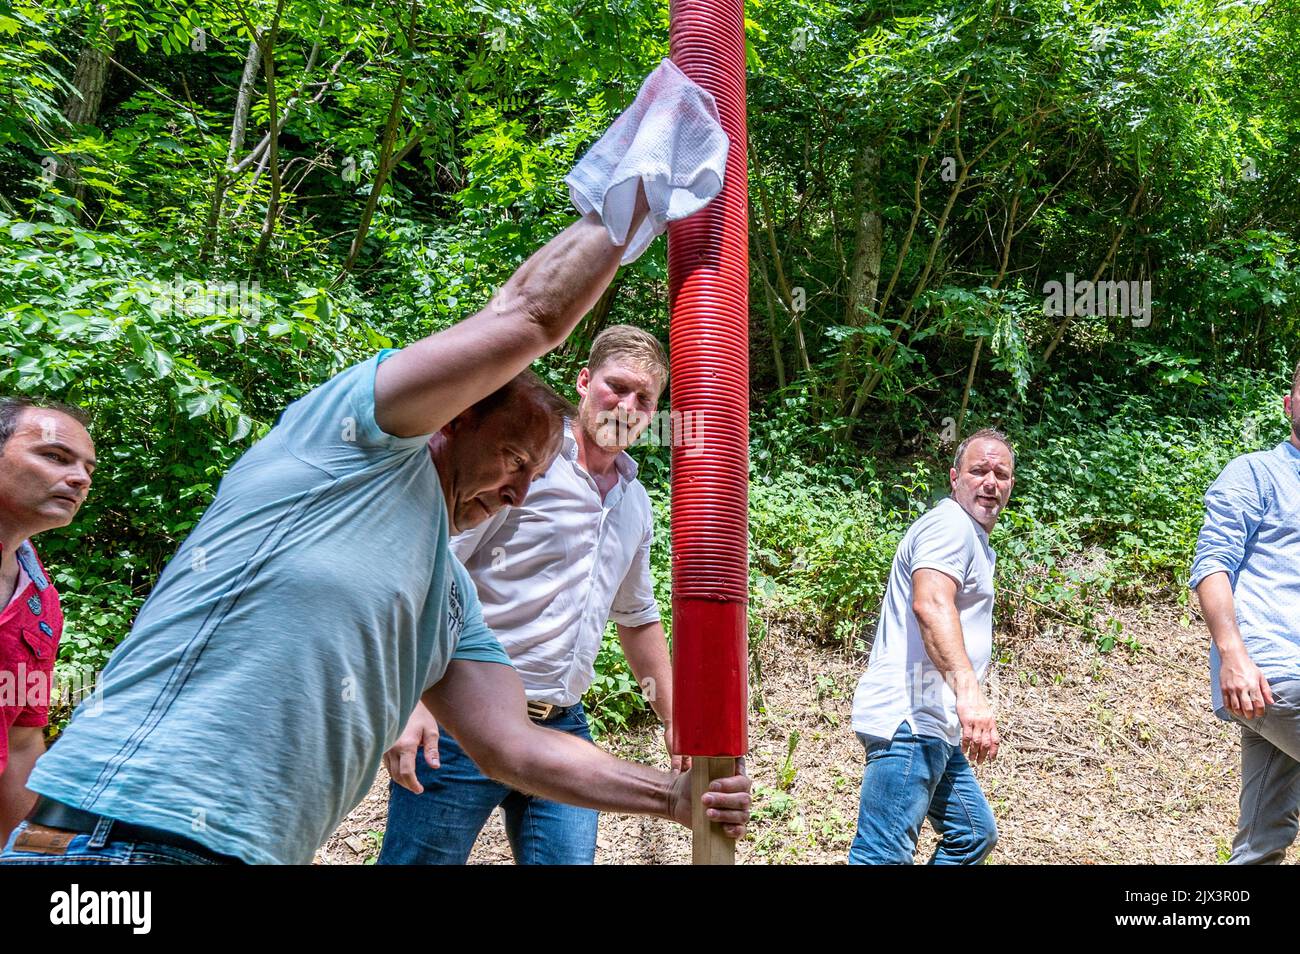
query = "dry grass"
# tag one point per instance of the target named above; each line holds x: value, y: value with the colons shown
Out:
x: 1106, y: 758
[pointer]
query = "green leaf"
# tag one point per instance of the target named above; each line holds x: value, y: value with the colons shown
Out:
x: 238, y: 428
x: 200, y: 404
x: 161, y: 363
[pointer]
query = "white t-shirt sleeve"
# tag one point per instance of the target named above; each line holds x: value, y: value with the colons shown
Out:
x: 944, y: 542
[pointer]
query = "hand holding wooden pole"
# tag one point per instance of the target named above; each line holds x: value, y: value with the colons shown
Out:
x: 709, y: 843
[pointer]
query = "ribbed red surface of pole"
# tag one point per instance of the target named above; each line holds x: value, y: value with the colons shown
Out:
x: 708, y: 282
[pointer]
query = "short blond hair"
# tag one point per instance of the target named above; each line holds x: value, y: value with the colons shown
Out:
x: 628, y: 343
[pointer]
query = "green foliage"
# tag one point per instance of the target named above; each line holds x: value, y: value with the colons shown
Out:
x: 615, y: 699
x: 32, y: 75
x: 919, y: 174
x: 788, y: 771
x: 997, y: 145
x: 818, y: 554
x: 1107, y: 506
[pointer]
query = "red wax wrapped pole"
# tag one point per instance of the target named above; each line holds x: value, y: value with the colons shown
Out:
x: 708, y: 292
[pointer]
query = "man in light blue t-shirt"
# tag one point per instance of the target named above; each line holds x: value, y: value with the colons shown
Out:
x: 317, y: 601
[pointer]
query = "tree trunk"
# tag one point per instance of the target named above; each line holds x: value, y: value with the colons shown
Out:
x: 782, y: 285
x: 386, y: 161
x: 864, y: 272
x: 778, y: 362
x: 1008, y: 239
x: 273, y: 120
x: 1110, y: 254
x: 81, y: 108
x: 970, y: 382
x: 238, y: 132
x: 869, y: 385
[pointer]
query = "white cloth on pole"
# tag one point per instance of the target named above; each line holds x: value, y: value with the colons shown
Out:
x: 670, y: 140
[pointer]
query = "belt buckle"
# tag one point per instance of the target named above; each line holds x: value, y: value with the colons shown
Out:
x: 540, y: 711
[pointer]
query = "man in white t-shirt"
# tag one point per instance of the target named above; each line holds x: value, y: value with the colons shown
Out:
x: 550, y: 574
x: 921, y: 704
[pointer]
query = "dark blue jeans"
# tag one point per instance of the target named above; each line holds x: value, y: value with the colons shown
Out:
x: 440, y: 826
x: 907, y: 779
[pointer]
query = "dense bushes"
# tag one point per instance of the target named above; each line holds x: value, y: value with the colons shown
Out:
x: 916, y: 179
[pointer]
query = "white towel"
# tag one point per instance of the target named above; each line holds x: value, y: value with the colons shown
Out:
x: 671, y: 140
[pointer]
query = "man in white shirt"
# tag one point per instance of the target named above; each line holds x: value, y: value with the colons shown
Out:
x: 921, y: 704
x: 549, y: 575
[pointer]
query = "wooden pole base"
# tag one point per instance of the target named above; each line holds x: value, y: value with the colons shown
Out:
x: 709, y: 844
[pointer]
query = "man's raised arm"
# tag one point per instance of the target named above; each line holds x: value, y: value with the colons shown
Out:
x: 428, y: 383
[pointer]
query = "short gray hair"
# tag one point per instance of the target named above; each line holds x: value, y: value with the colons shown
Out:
x: 526, y: 386
x: 984, y: 433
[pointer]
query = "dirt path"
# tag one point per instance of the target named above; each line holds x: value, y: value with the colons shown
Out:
x: 1106, y: 758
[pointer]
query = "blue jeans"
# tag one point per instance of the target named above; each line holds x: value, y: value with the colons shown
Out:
x: 440, y: 826
x: 96, y: 849
x: 910, y: 778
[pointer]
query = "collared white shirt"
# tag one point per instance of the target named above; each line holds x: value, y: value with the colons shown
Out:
x: 551, y: 573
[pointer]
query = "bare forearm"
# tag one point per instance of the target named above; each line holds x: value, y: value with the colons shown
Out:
x: 1219, y: 609
x: 563, y: 280
x: 1244, y: 687
x: 15, y: 799
x: 646, y: 649
x: 942, y: 636
x: 425, y: 385
x: 482, y: 705
x: 564, y: 768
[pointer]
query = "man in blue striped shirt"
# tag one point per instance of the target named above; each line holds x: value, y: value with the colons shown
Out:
x: 1247, y: 575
